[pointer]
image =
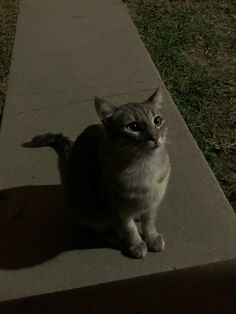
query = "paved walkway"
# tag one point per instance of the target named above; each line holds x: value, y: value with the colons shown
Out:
x: 65, y: 53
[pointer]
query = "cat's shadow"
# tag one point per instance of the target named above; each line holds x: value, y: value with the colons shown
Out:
x: 34, y: 227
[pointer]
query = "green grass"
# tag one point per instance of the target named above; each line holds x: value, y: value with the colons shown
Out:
x: 193, y: 44
x: 8, y: 16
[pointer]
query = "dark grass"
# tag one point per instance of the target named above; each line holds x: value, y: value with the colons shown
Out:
x: 193, y: 44
x: 8, y: 17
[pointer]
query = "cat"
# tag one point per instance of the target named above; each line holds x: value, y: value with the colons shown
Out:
x: 117, y: 170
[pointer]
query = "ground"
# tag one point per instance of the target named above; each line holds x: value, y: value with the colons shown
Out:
x: 193, y: 46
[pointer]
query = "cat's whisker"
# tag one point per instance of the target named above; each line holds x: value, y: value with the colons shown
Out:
x: 176, y: 139
x: 167, y: 141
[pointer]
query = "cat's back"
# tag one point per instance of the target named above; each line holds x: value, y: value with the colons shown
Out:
x: 83, y: 170
x: 84, y: 153
x: 86, y: 144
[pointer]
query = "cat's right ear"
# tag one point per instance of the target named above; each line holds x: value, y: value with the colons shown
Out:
x: 104, y: 109
x: 156, y: 99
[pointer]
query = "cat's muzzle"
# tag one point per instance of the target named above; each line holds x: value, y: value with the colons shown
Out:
x: 152, y: 144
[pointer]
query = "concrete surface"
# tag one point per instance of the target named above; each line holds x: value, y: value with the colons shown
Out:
x: 65, y: 53
x: 198, y: 290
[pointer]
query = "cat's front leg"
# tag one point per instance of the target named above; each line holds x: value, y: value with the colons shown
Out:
x: 134, y: 244
x: 155, y: 241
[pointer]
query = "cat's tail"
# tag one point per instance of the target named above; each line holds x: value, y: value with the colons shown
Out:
x: 58, y: 142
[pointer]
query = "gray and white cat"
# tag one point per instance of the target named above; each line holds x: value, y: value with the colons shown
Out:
x: 117, y: 170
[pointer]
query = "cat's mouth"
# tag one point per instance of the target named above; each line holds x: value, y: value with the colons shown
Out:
x: 155, y: 146
x: 152, y: 144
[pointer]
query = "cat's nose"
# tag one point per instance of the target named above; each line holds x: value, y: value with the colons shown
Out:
x: 152, y: 142
x: 152, y: 139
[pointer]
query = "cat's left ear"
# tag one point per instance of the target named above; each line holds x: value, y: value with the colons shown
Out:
x: 156, y: 99
x: 104, y: 109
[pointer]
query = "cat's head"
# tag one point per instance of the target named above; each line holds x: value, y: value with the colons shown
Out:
x: 137, y: 125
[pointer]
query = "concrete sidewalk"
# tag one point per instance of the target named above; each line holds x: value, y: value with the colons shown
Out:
x: 65, y: 53
x: 181, y: 291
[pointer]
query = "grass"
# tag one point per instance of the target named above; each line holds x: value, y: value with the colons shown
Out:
x: 193, y: 44
x: 8, y: 16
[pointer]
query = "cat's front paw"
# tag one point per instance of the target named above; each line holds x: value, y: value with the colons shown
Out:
x: 138, y: 251
x: 156, y: 243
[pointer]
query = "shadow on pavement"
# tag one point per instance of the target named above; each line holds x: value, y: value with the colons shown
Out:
x: 34, y: 227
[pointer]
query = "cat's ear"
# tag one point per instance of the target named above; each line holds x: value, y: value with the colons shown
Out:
x: 104, y: 109
x: 156, y: 99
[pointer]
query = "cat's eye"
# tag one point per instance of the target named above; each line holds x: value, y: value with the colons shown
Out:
x: 134, y: 127
x: 158, y: 120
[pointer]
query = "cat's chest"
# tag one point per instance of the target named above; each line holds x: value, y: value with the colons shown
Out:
x: 139, y: 186
x: 145, y: 174
x: 139, y: 178
x: 145, y: 184
x: 144, y: 180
